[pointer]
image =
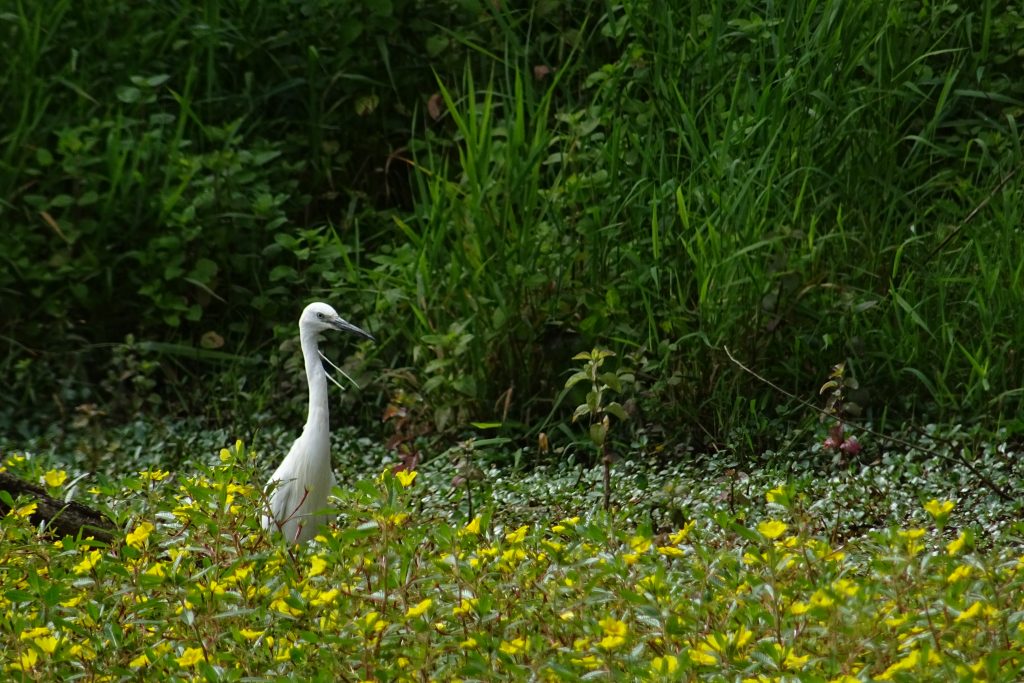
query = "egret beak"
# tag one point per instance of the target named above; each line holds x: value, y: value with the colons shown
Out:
x: 346, y: 326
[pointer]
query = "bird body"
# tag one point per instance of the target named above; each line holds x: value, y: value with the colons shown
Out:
x: 298, y: 489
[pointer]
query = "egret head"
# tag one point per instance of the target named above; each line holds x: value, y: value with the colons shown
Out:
x: 319, y: 317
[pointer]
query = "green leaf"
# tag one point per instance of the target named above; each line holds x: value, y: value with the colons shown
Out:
x: 616, y: 409
x: 576, y: 379
x: 128, y: 94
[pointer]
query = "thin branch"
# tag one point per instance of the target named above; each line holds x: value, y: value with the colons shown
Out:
x: 974, y: 212
x: 885, y: 437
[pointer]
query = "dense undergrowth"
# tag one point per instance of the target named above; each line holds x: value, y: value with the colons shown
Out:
x: 749, y: 582
x: 492, y: 188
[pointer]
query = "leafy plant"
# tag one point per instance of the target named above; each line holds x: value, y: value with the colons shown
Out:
x: 598, y: 408
x: 837, y: 408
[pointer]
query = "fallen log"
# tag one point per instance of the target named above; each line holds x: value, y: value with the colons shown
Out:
x: 62, y: 518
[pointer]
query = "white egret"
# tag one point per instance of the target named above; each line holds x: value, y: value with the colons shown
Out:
x: 299, y: 487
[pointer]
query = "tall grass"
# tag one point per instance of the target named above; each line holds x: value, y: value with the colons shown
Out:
x: 779, y: 181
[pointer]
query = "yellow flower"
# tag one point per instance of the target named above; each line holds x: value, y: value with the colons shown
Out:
x: 471, y: 529
x: 668, y: 664
x: 970, y: 612
x: 154, y: 475
x: 419, y: 609
x: 640, y: 544
x: 610, y: 642
x: 845, y: 587
x: 513, y: 647
x: 324, y: 598
x: 72, y: 602
x: 88, y: 562
x: 33, y: 633
x: 465, y: 607
x: 772, y: 529
x: 957, y: 544
x: 670, y: 551
x: 567, y: 615
x: 406, y: 477
x: 799, y: 608
x: 24, y: 511
x: 961, y: 572
x: 680, y: 536
x: 518, y: 535
x: 48, y: 644
x: 702, y: 657
x: 777, y: 495
x: 250, y: 634
x: 587, y: 661
x: 613, y: 627
x: 794, y: 662
x: 190, y: 657
x: 55, y: 478
x: 283, y: 607
x: 468, y: 644
x: 27, y: 661
x: 136, y: 538
x: 139, y: 662
x: 317, y: 565
x: 938, y: 510
x: 157, y: 570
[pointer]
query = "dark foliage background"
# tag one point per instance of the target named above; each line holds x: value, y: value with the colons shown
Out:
x: 493, y: 187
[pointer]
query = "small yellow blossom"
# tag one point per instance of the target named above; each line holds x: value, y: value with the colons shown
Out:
x: 567, y: 615
x: 464, y: 607
x: 55, y: 478
x: 419, y: 609
x: 406, y: 477
x: 468, y: 644
x: 587, y: 661
x: 317, y: 565
x: 670, y: 551
x: 250, y: 634
x: 957, y: 544
x: 33, y: 633
x: 154, y: 475
x: 668, y: 664
x: 772, y: 528
x: 777, y: 495
x: 961, y: 572
x: 139, y: 662
x: 27, y: 661
x: 938, y: 510
x: 640, y: 544
x: 679, y: 536
x: 610, y: 642
x: 518, y: 535
x: 279, y: 605
x: 702, y: 657
x: 513, y: 647
x: 190, y: 657
x: 136, y: 538
x: 799, y: 608
x: 72, y: 602
x: 471, y: 529
x: 794, y: 662
x: 88, y: 562
x: 970, y: 612
x: 613, y: 627
x: 24, y: 511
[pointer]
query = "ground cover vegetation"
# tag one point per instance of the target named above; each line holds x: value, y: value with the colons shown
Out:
x: 494, y: 188
x: 772, y: 578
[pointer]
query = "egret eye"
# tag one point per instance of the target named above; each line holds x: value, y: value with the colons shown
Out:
x: 320, y: 315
